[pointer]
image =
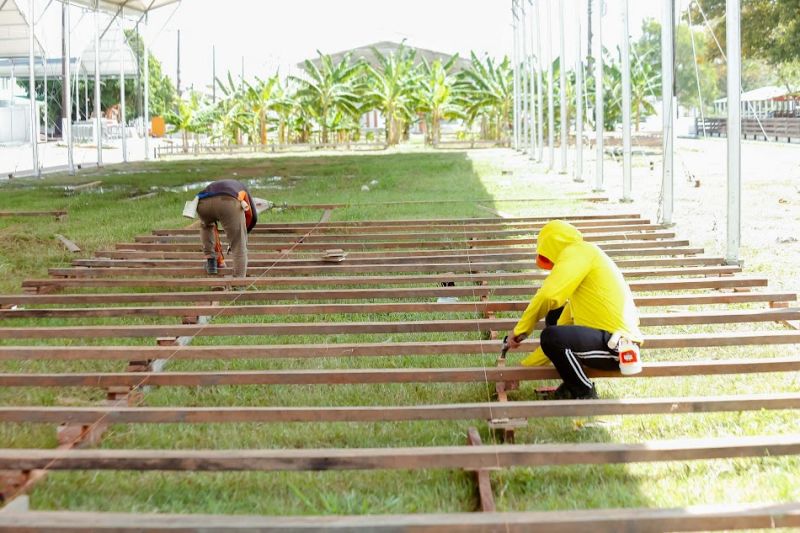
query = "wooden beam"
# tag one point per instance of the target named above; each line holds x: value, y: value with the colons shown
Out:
x: 724, y: 316
x: 384, y: 413
x: 516, y: 260
x: 59, y: 214
x: 268, y: 245
x: 212, y: 282
x: 372, y: 308
x: 439, y: 457
x: 700, y: 518
x: 264, y: 274
x: 465, y: 220
x: 456, y: 234
x: 68, y: 244
x: 379, y: 349
x: 344, y: 227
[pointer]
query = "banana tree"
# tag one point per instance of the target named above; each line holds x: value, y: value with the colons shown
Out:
x: 486, y: 90
x: 394, y: 90
x: 261, y: 98
x: 329, y: 89
x: 185, y: 120
x: 437, y: 94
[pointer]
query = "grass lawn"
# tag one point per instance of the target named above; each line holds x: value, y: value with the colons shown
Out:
x: 102, y: 217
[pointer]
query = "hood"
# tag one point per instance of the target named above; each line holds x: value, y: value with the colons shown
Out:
x: 555, y: 236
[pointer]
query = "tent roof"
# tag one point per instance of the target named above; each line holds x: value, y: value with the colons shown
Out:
x: 108, y: 69
x: 115, y: 6
x: 770, y: 92
x: 111, y: 45
x: 14, y: 31
x: 388, y: 48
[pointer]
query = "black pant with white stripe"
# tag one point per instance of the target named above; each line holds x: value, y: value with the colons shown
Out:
x: 570, y: 348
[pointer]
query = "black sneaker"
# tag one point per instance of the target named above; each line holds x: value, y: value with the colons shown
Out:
x: 564, y: 393
x: 211, y: 266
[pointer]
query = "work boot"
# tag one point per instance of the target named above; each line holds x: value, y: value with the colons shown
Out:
x: 211, y: 266
x: 564, y: 393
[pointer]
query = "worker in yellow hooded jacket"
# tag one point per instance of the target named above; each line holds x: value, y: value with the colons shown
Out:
x: 584, y: 301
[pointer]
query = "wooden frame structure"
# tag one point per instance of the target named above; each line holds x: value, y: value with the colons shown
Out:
x: 482, y: 266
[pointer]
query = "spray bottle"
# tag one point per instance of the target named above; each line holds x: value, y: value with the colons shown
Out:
x: 629, y: 361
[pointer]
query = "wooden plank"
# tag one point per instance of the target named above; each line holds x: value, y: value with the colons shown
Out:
x: 268, y: 245
x: 326, y: 215
x: 678, y: 284
x: 471, y: 220
x: 699, y: 518
x: 482, y: 479
x: 513, y: 272
x: 724, y: 316
x: 344, y: 227
x: 387, y: 375
x: 439, y: 457
x: 513, y: 259
x: 82, y: 186
x: 11, y: 213
x: 371, y: 308
x: 443, y: 201
x: 391, y: 413
x: 380, y: 349
x: 308, y: 281
x: 414, y: 240
x: 186, y: 235
x: 68, y: 244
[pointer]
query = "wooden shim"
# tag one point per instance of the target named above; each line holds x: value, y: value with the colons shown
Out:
x: 678, y: 284
x: 68, y: 244
x: 390, y: 413
x: 724, y: 316
x: 371, y: 308
x: 326, y: 215
x: 58, y: 214
x: 482, y: 479
x: 300, y: 274
x: 699, y: 518
x: 379, y: 349
x: 439, y: 457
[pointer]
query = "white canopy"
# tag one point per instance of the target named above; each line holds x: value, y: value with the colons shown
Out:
x: 14, y: 33
x: 116, y: 6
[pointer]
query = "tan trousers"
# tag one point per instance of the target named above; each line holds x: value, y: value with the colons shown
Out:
x: 228, y: 211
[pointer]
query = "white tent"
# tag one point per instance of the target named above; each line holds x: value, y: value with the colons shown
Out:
x: 14, y: 34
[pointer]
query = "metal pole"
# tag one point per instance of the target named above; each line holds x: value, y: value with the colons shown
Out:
x: 32, y: 94
x: 531, y: 88
x: 46, y: 99
x: 551, y: 153
x: 734, y: 52
x: 98, y: 112
x: 626, y: 105
x: 539, y: 88
x: 214, y: 74
x: 667, y: 72
x: 562, y: 68
x: 86, y: 96
x: 599, y: 116
x: 122, y: 93
x: 525, y: 104
x: 146, y: 100
x: 66, y: 126
x: 515, y: 56
x: 578, y: 98
x: 178, y: 69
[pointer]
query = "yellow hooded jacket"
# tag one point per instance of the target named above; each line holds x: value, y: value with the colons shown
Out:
x: 586, y: 282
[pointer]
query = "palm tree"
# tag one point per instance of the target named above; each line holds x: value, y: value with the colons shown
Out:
x: 232, y: 111
x: 645, y: 82
x: 330, y: 89
x: 394, y: 90
x: 487, y: 90
x: 437, y: 95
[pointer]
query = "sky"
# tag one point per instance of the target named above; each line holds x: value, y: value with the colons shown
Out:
x: 274, y: 35
x: 277, y: 34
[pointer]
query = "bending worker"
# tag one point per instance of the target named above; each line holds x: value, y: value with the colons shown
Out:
x: 228, y: 202
x: 585, y: 301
